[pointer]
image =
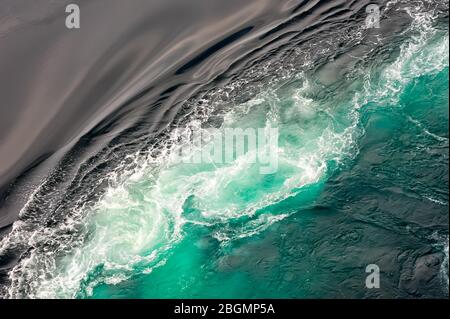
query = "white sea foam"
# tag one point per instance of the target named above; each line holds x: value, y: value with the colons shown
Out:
x: 140, y: 218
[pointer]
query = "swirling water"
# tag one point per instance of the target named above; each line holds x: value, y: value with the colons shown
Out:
x: 362, y: 178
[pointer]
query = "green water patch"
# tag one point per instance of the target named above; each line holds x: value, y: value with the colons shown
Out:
x: 379, y: 209
x: 375, y: 211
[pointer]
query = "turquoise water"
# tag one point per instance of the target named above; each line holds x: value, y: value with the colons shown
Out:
x: 361, y: 178
x: 288, y: 258
x: 238, y: 233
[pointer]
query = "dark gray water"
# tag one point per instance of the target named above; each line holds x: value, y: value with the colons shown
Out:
x: 58, y: 84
